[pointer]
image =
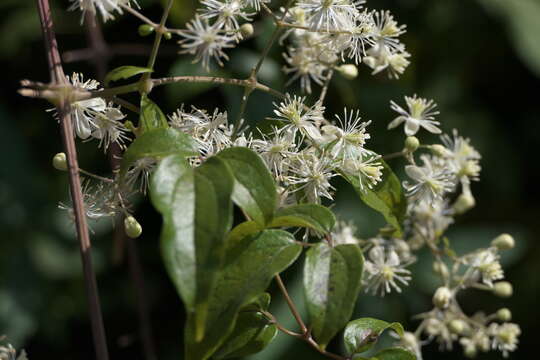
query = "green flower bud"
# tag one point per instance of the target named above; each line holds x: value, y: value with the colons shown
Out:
x: 145, y: 29
x: 504, y: 314
x: 167, y: 35
x: 442, y: 297
x: 349, y: 71
x: 503, y: 242
x: 464, y: 202
x: 132, y: 227
x: 145, y: 86
x: 59, y: 162
x: 503, y: 289
x: 246, y: 30
x: 412, y: 143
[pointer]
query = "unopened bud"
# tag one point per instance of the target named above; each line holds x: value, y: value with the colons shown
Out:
x: 470, y: 351
x: 145, y: 86
x: 246, y: 30
x: 504, y: 314
x: 442, y: 297
x: 464, y: 202
x: 503, y: 242
x: 349, y: 71
x: 59, y: 162
x: 457, y: 326
x: 503, y: 289
x: 440, y: 150
x: 145, y: 30
x: 440, y: 268
x: 167, y: 35
x: 412, y: 143
x: 132, y: 227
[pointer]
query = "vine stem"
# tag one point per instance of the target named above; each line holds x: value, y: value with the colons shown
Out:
x: 306, y: 334
x: 291, y: 305
x: 160, y: 30
x: 63, y: 108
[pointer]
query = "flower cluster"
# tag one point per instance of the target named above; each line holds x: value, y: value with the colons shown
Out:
x: 105, y: 7
x: 95, y: 118
x: 323, y: 33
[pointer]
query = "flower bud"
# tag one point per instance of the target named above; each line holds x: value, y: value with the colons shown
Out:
x: 503, y: 242
x: 440, y: 268
x: 503, y: 289
x: 470, y: 351
x: 412, y: 143
x: 464, y: 202
x: 132, y: 227
x: 349, y: 71
x: 167, y: 35
x: 442, y: 297
x: 59, y: 162
x: 145, y: 86
x: 145, y: 29
x: 504, y: 314
x: 457, y: 326
x: 246, y: 30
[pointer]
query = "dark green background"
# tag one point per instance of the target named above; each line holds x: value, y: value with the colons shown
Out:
x: 479, y: 60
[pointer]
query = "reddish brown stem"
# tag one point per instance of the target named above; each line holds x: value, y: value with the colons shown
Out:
x: 57, y: 77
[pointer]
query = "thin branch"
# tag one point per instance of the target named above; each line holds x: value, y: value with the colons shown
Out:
x: 63, y: 108
x: 291, y: 305
x: 324, y: 90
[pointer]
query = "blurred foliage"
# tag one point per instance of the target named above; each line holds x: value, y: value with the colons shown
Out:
x: 479, y: 60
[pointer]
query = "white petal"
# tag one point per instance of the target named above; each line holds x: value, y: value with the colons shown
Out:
x: 429, y: 126
x: 411, y: 126
x: 396, y: 122
x: 414, y: 172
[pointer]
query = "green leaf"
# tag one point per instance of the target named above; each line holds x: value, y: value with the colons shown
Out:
x: 125, y: 72
x: 332, y: 282
x: 386, y: 197
x: 361, y: 334
x: 254, y: 188
x: 311, y: 216
x: 158, y: 143
x: 240, y: 281
x: 151, y: 116
x: 197, y: 213
x: 394, y: 354
x: 252, y: 332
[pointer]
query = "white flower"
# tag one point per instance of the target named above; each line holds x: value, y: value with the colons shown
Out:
x: 83, y: 112
x: 105, y: 7
x: 346, y: 141
x: 380, y: 57
x: 299, y: 117
x: 99, y: 201
x: 462, y: 157
x: 303, y: 63
x: 385, y: 271
x: 487, y: 264
x: 366, y: 168
x: 312, y: 173
x: 140, y: 172
x: 276, y: 149
x: 410, y: 342
x: 227, y: 13
x: 343, y: 233
x: 329, y: 14
x: 210, y: 131
x: 205, y: 42
x: 387, y: 30
x: 421, y: 114
x: 505, y: 337
x: 431, y: 181
x: 108, y: 128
